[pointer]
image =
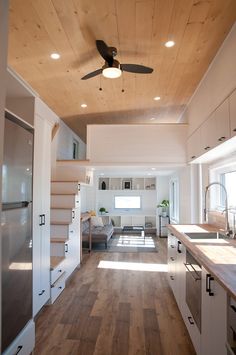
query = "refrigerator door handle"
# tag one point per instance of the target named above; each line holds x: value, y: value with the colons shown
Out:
x: 6, y: 206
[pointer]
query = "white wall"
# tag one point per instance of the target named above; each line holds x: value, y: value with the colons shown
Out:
x: 185, y: 207
x: 62, y: 145
x: 163, y: 143
x: 65, y: 143
x: 217, y: 84
x: 3, y: 67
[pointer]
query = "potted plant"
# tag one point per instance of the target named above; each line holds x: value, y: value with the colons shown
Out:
x: 164, y: 205
x: 102, y: 210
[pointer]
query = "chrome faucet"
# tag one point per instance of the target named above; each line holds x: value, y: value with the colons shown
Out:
x: 228, y: 231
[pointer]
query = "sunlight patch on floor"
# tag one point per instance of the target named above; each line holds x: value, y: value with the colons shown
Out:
x: 131, y: 241
x: 122, y: 265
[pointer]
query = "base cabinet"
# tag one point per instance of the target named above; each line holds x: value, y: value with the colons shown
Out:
x: 213, y: 336
x: 214, y: 316
x: 24, y: 342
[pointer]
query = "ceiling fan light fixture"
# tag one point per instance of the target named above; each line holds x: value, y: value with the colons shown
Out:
x: 111, y: 72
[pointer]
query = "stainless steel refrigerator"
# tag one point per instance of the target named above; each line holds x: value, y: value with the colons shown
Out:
x: 16, y: 222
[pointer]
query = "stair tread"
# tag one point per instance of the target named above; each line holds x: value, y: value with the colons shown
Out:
x: 62, y: 208
x: 54, y: 223
x: 64, y: 193
x: 74, y: 181
x: 55, y: 261
x: 59, y: 239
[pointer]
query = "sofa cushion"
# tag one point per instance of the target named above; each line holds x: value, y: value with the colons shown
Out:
x: 97, y: 221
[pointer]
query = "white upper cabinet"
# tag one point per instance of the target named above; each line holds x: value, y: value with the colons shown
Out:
x: 207, y: 140
x: 193, y: 145
x: 221, y: 129
x: 232, y: 113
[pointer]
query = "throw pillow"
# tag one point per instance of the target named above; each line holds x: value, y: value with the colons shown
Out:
x: 97, y: 221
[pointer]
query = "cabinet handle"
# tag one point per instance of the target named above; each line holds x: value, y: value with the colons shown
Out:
x: 190, y: 319
x: 60, y: 287
x: 178, y: 247
x: 41, y: 293
x: 233, y: 307
x: 73, y: 214
x: 234, y: 130
x: 60, y: 270
x: 172, y: 234
x: 40, y: 220
x: 172, y: 259
x: 172, y: 278
x: 193, y: 156
x: 221, y: 139
x: 43, y: 217
x: 66, y: 248
x: 19, y: 348
x: 206, y: 148
x: 209, y: 278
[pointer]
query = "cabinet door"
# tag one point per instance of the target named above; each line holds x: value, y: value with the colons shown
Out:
x: 193, y: 145
x: 41, y: 214
x: 172, y: 248
x: 221, y: 119
x: 214, y: 311
x: 232, y: 113
x: 207, y: 140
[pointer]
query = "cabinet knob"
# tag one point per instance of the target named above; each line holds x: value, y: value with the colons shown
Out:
x: 190, y: 319
x: 206, y: 148
x: 193, y: 156
x: 19, y: 348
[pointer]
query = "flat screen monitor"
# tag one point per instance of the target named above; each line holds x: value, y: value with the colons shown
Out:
x: 126, y: 202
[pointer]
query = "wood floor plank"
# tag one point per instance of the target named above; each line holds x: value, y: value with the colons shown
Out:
x: 106, y: 311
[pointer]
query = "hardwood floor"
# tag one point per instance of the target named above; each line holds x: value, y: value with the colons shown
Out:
x: 105, y: 311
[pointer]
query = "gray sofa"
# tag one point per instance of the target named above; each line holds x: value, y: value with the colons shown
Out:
x: 99, y: 234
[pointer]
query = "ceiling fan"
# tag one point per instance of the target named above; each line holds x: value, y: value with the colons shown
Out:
x: 112, y: 68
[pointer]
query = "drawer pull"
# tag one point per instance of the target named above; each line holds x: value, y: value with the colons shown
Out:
x: 66, y: 248
x: 206, y: 148
x: 178, y: 248
x: 19, y: 348
x: 190, y: 319
x: 193, y: 156
x: 41, y: 293
x: 60, y: 270
x: 172, y: 259
x: 172, y: 278
x: 221, y: 139
x: 234, y: 130
x: 60, y: 287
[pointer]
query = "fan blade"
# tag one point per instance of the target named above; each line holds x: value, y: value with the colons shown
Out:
x: 136, y: 68
x: 91, y: 75
x: 103, y: 49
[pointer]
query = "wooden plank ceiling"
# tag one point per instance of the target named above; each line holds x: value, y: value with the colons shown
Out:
x: 139, y: 29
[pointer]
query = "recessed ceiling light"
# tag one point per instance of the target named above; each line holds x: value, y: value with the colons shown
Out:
x: 55, y: 56
x: 153, y: 168
x: 169, y: 44
x: 156, y: 98
x: 83, y: 105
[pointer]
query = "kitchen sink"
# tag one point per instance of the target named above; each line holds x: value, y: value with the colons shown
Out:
x: 199, y: 235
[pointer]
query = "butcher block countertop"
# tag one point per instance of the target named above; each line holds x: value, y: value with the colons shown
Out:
x: 218, y: 256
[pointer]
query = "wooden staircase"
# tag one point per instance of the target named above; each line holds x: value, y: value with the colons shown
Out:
x: 65, y: 233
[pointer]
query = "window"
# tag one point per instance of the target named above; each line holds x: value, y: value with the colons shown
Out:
x: 174, y: 200
x: 228, y: 179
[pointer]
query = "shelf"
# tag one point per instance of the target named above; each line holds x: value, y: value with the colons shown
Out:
x: 118, y: 184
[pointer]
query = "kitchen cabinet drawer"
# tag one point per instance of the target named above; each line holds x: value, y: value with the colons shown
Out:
x: 24, y: 343
x: 57, y: 287
x: 192, y: 329
x: 57, y: 272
